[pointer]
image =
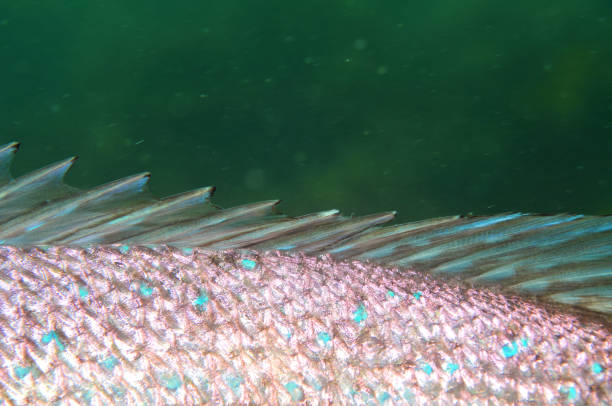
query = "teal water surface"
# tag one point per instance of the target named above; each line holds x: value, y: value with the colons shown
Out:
x: 430, y: 108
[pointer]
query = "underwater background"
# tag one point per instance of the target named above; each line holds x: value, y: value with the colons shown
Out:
x: 430, y: 108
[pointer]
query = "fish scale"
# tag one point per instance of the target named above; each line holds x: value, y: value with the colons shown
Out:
x: 111, y: 296
x: 161, y: 326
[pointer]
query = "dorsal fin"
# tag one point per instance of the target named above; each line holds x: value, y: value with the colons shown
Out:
x: 34, y: 189
x: 562, y: 258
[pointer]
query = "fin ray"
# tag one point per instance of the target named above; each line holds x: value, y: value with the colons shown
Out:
x: 562, y: 258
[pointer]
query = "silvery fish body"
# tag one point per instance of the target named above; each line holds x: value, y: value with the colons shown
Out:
x: 110, y: 297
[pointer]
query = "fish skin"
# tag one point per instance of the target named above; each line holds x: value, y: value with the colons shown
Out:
x: 162, y: 325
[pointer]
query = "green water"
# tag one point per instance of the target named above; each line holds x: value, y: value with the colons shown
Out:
x: 430, y: 108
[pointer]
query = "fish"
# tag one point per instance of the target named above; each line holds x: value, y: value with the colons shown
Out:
x: 112, y: 296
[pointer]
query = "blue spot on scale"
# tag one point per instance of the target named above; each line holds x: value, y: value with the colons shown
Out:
x: 360, y: 314
x: 391, y: 293
x: 83, y: 292
x: 187, y: 251
x: 510, y: 350
x: 597, y: 368
x: 20, y: 371
x: 202, y: 301
x: 46, y: 339
x: 248, y: 264
x: 417, y: 295
x: 109, y: 363
x: 145, y: 289
x: 295, y: 391
x: 124, y: 249
x: 324, y: 337
x: 234, y: 382
x: 172, y: 382
x: 451, y: 367
x: 52, y: 336
x: 383, y: 397
x: 571, y: 392
x: 427, y: 369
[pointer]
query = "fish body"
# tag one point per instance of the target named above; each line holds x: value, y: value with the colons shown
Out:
x: 170, y: 326
x: 110, y: 297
